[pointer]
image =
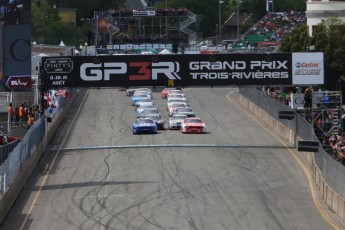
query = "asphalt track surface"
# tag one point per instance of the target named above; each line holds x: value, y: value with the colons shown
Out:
x: 260, y: 186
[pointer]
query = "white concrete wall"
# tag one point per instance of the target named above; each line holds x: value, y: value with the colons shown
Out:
x: 321, y: 10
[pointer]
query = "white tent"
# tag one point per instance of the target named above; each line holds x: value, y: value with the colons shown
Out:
x: 165, y: 51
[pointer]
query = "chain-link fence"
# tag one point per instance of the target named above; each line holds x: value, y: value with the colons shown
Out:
x: 332, y: 170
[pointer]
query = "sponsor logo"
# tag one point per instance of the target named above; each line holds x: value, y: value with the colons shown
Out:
x: 240, y: 75
x: 238, y: 65
x: 103, y: 71
x: 308, y: 65
x: 19, y: 82
x: 308, y: 72
x: 99, y: 72
x: 308, y: 68
x: 58, y: 65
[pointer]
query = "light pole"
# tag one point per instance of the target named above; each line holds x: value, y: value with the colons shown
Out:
x: 220, y: 18
x: 238, y: 19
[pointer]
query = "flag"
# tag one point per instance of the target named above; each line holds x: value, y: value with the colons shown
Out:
x: 51, y: 99
x: 268, y: 5
x: 63, y: 92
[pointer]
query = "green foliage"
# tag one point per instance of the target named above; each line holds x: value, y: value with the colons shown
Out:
x: 328, y: 37
x: 298, y: 41
x: 48, y: 28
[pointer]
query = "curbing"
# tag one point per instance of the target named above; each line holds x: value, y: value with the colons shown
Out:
x: 333, y: 200
x: 14, y: 190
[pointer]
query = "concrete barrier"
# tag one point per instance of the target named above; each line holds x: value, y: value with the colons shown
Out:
x: 17, y: 185
x: 333, y: 200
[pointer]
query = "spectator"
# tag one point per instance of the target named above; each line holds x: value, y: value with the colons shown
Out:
x: 10, y: 111
x: 21, y: 113
x: 308, y: 98
x: 16, y: 116
x: 30, y: 121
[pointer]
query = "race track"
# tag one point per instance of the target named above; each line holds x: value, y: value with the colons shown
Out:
x: 254, y: 185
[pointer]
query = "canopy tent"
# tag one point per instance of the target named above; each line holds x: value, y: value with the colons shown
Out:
x: 165, y: 51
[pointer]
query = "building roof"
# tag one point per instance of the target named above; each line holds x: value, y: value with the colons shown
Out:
x: 49, y: 50
x: 232, y: 20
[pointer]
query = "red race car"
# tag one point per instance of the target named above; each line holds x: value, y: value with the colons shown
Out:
x: 193, y: 125
x: 165, y: 92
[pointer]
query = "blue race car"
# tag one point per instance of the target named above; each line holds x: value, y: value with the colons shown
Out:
x: 139, y: 97
x: 144, y: 125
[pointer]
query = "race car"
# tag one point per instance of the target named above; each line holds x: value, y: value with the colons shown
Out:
x: 177, y: 96
x: 176, y: 120
x: 177, y: 91
x: 157, y: 118
x: 143, y: 100
x: 193, y: 125
x: 165, y: 91
x: 144, y: 125
x: 144, y: 105
x: 172, y: 107
x: 130, y: 92
x: 144, y: 90
x: 135, y: 98
x: 144, y: 112
x: 184, y: 110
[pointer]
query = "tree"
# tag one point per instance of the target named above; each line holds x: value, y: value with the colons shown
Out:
x: 329, y: 38
x: 298, y: 41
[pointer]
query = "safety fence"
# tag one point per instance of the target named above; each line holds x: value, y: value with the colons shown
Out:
x: 332, y: 171
x: 15, y: 155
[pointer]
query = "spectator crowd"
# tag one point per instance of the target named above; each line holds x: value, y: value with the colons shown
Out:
x: 23, y: 115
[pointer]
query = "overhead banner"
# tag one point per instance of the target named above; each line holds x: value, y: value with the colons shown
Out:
x: 184, y: 70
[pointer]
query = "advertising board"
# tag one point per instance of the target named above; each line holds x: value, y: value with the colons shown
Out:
x: 184, y: 70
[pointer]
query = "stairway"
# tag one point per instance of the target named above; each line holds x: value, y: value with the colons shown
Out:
x: 335, y: 122
x: 187, y: 23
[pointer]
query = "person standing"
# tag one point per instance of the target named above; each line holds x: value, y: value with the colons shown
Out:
x: 21, y: 114
x: 10, y: 111
x: 16, y: 116
x: 308, y: 98
x: 30, y: 121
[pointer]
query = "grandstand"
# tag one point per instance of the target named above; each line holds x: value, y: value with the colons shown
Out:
x: 140, y: 23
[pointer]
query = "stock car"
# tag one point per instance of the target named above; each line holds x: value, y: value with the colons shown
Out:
x: 172, y: 107
x: 177, y: 96
x: 135, y: 98
x: 157, y: 118
x: 193, y: 125
x: 144, y: 112
x: 176, y: 120
x: 144, y: 125
x: 165, y: 91
x: 177, y: 91
x: 130, y: 92
x: 144, y: 105
x: 144, y: 90
x: 184, y: 110
x: 143, y: 94
x: 143, y: 100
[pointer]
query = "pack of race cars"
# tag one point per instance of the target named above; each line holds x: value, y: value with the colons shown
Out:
x: 149, y: 118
